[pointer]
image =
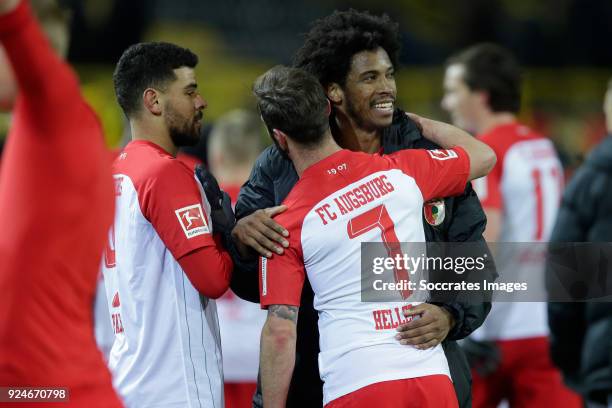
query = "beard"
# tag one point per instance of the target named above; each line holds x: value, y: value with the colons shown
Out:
x: 359, y: 113
x: 183, y: 131
x: 353, y: 113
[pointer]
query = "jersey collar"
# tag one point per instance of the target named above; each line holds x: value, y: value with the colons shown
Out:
x: 327, y: 163
x: 143, y: 142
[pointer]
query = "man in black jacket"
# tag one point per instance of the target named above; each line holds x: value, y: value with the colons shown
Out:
x: 583, y: 349
x: 354, y: 55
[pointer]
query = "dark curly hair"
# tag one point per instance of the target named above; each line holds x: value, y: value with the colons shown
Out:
x: 146, y: 65
x: 333, y: 40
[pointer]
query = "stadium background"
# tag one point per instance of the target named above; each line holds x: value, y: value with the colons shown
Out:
x: 561, y: 44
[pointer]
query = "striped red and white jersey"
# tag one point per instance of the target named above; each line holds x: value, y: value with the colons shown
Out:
x: 526, y: 186
x: 167, y: 348
x: 338, y: 203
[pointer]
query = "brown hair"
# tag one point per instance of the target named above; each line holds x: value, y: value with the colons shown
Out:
x: 293, y: 101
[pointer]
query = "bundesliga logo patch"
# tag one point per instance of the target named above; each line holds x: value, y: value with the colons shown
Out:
x: 442, y: 154
x: 192, y: 220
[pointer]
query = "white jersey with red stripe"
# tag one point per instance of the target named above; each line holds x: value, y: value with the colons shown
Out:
x: 166, y: 351
x: 338, y: 203
x: 525, y: 186
x: 103, y: 330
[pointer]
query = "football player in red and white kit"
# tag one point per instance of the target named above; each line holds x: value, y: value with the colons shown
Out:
x: 361, y: 363
x: 520, y: 196
x: 56, y: 204
x: 233, y: 145
x: 162, y: 255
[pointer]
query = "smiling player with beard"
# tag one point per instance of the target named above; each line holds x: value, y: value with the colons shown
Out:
x: 162, y: 256
x: 354, y: 55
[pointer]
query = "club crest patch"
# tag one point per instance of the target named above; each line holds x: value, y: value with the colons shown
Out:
x: 434, y: 212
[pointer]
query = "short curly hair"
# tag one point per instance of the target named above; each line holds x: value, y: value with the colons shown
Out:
x: 147, y: 65
x: 333, y: 40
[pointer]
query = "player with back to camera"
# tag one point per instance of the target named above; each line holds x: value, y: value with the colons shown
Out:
x: 325, y: 243
x: 354, y: 56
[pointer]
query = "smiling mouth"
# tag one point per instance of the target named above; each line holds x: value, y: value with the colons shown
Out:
x: 385, y: 107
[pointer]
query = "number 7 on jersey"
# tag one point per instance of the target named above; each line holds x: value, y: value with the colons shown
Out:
x: 378, y: 217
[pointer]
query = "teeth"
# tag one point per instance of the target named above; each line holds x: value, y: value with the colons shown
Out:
x: 384, y: 105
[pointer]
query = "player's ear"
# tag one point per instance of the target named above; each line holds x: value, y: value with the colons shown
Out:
x: 335, y: 93
x: 151, y: 101
x: 281, y: 139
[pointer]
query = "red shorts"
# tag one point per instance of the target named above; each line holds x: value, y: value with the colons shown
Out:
x: 526, y: 377
x: 435, y: 391
x: 239, y: 395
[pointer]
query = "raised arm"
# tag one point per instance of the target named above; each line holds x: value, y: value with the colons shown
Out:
x: 43, y: 78
x: 51, y: 120
x: 482, y: 157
